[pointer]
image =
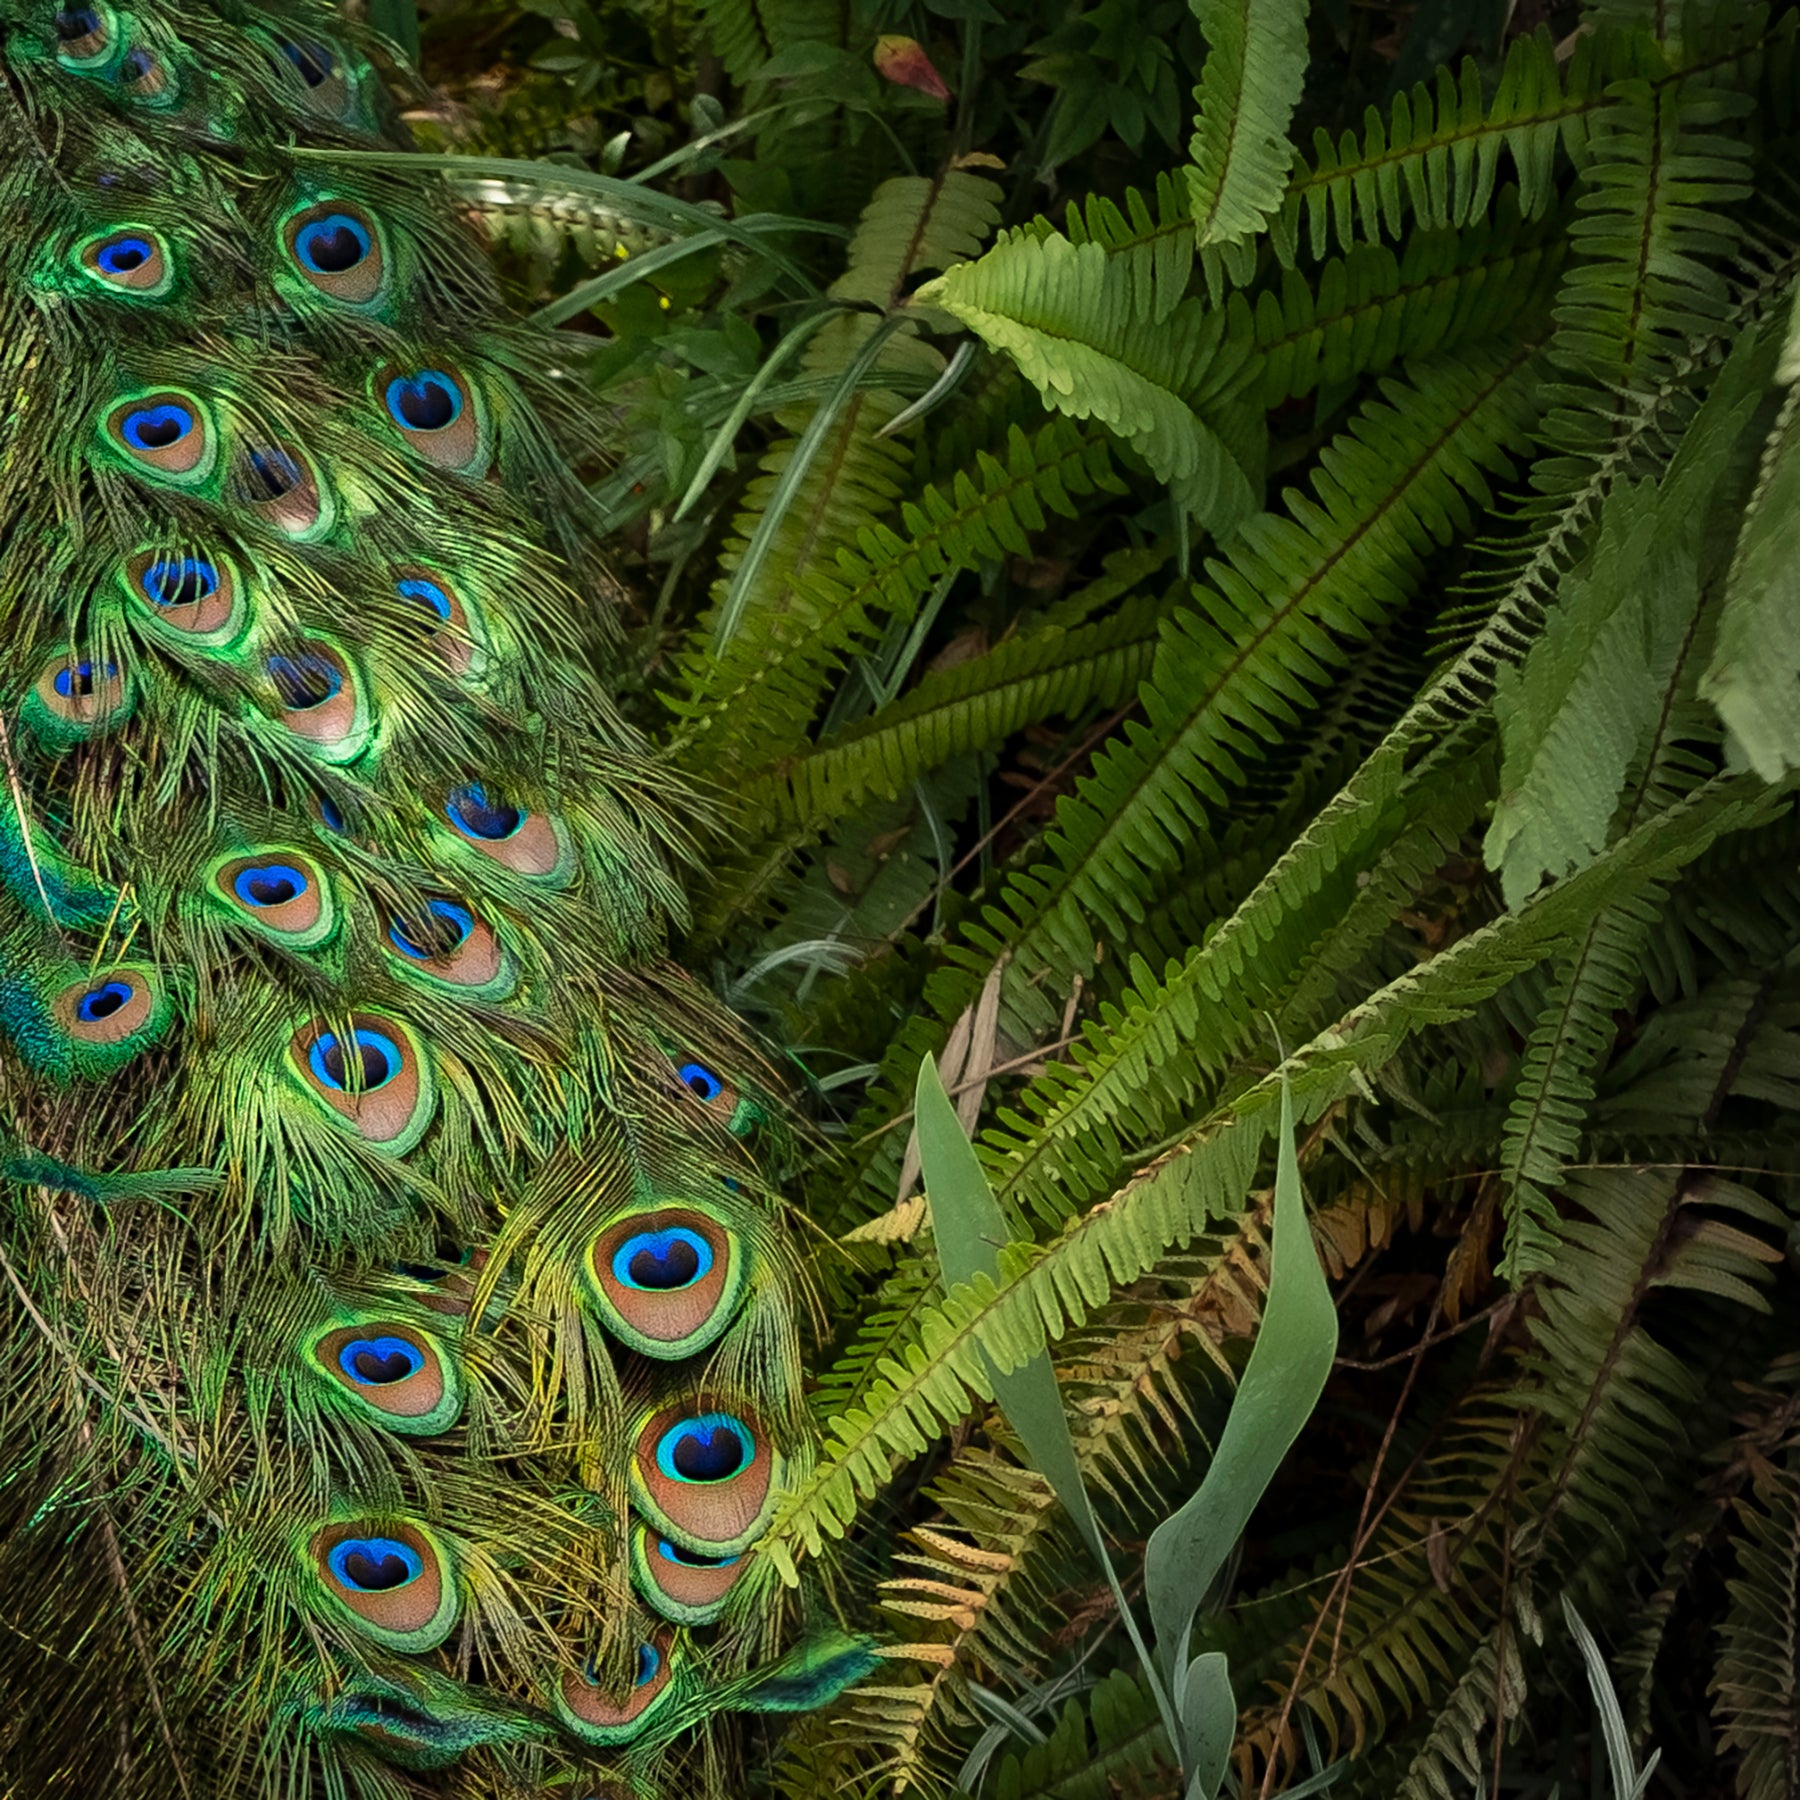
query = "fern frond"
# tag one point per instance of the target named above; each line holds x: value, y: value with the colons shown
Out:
x: 1282, y: 614
x: 1756, y: 1680
x: 1077, y: 325
x: 975, y: 705
x: 1255, y: 67
x: 1368, y: 309
x: 1436, y: 157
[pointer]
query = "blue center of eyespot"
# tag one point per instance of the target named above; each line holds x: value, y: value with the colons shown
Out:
x: 137, y: 64
x: 374, y: 1565
x: 331, y: 815
x: 425, y: 593
x: 332, y: 245
x: 305, y: 681
x: 711, y: 1447
x: 269, y: 884
x: 160, y: 427
x: 427, y: 401
x: 380, y: 1361
x: 314, y: 62
x: 73, y: 23
x: 700, y: 1081
x: 122, y: 255
x: 76, y: 681
x: 662, y: 1262
x: 179, y: 581
x: 443, y: 929
x: 649, y: 1660
x: 378, y: 1059
x: 476, y: 815
x: 102, y: 1002
x: 689, y: 1559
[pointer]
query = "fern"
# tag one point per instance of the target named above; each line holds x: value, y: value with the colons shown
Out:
x: 1082, y: 333
x: 1436, y: 158
x: 1255, y: 65
x: 1755, y: 1684
x: 1260, y: 643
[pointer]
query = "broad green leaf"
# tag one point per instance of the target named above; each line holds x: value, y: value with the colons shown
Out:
x: 1208, y: 1724
x: 1282, y: 1383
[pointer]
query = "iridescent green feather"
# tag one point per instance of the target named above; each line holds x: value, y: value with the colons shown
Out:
x: 386, y: 1203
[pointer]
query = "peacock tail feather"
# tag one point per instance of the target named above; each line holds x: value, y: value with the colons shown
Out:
x: 402, y: 1338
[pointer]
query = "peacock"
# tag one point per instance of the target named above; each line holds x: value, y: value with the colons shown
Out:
x: 403, y: 1329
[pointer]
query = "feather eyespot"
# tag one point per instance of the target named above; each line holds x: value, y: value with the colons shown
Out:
x: 279, y: 484
x: 163, y: 434
x: 338, y: 252
x: 132, y: 260
x: 394, y: 1374
x: 84, y: 35
x: 313, y: 63
x: 447, y: 618
x: 370, y: 1075
x: 589, y: 1709
x: 705, y: 1476
x: 666, y: 1281
x: 681, y: 1584
x: 396, y: 1582
x: 196, y: 596
x: 77, y: 696
x: 321, y: 700
x: 528, y: 843
x: 438, y: 415
x: 317, y: 74
x: 105, y: 1019
x: 145, y: 76
x: 445, y: 942
x: 718, y: 1095
x: 279, y: 895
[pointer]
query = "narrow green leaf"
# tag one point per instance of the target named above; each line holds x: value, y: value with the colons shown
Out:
x: 970, y: 1231
x: 1282, y: 1383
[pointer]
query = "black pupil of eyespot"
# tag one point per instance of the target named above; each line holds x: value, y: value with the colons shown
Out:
x: 703, y: 1083
x: 127, y: 256
x: 672, y: 1265
x: 427, y: 405
x: 157, y: 433
x: 302, y: 681
x: 374, y: 1065
x: 138, y: 64
x: 334, y: 248
x: 313, y: 61
x: 76, y: 22
x: 184, y: 586
x: 379, y: 1368
x: 691, y: 1558
x: 274, y: 472
x: 703, y: 1456
x: 488, y: 819
x: 81, y: 679
x: 271, y: 890
x: 375, y: 1573
x: 431, y: 933
x: 102, y: 1003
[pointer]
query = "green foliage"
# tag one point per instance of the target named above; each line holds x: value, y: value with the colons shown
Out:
x: 1366, y: 609
x: 1255, y: 66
